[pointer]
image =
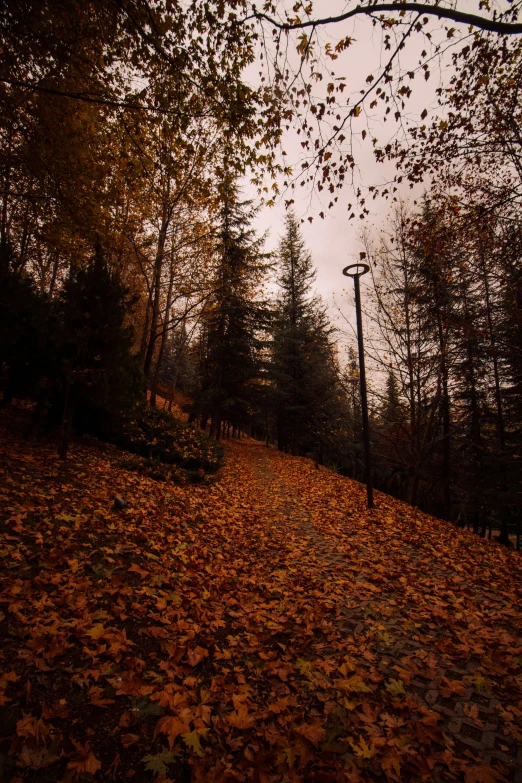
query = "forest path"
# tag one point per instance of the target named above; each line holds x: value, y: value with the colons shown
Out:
x: 262, y: 626
x: 410, y: 593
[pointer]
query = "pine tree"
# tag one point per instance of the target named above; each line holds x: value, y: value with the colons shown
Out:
x: 234, y: 317
x: 434, y: 251
x: 392, y: 409
x: 97, y: 373
x: 303, y: 367
x: 23, y: 328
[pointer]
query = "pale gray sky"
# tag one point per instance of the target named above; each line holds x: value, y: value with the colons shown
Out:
x: 334, y: 241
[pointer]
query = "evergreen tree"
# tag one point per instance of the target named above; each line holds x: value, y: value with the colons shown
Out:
x: 434, y: 253
x: 303, y: 368
x: 23, y: 328
x: 392, y: 409
x: 234, y: 317
x: 97, y: 373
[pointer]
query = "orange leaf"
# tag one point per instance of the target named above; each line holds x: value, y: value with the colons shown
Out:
x: 312, y: 731
x: 172, y: 726
x: 196, y: 656
x: 96, y: 694
x: 450, y: 687
x: 128, y: 739
x: 240, y: 718
x: 135, y: 569
x: 83, y: 760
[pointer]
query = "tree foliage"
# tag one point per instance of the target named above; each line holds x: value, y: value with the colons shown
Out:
x: 305, y: 376
x: 445, y: 320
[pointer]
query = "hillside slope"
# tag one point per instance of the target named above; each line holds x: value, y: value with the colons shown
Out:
x: 262, y: 627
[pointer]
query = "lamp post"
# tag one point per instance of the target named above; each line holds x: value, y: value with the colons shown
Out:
x: 355, y: 271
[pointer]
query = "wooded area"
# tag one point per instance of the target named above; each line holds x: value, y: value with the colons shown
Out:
x: 140, y: 310
x: 129, y: 261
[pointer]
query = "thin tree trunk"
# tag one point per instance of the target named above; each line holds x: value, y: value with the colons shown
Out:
x: 156, y: 290
x: 494, y: 353
x: 52, y: 284
x: 5, y: 201
x: 67, y: 417
x: 154, y: 384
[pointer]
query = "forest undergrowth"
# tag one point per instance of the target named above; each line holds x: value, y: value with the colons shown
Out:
x: 261, y: 626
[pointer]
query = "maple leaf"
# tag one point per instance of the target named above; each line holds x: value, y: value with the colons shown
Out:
x: 83, y: 760
x: 369, y: 716
x: 57, y: 710
x: 304, y: 666
x: 191, y: 740
x: 129, y: 739
x: 240, y: 718
x: 472, y: 711
x: 354, y: 684
x: 30, y: 727
x: 8, y: 677
x: 287, y: 755
x: 96, y: 632
x: 172, y: 726
x: 97, y: 700
x: 392, y: 762
x: 159, y: 762
x: 450, y: 687
x: 135, y: 569
x: 196, y: 656
x: 362, y: 749
x: 480, y: 683
x: 395, y: 687
x: 279, y: 706
x: 312, y: 731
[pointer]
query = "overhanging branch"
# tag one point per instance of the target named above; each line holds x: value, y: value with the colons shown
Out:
x: 483, y: 23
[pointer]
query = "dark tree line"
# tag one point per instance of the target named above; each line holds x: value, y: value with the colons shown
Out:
x: 72, y: 354
x: 448, y: 319
x: 268, y: 366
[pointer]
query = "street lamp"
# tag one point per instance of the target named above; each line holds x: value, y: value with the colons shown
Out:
x: 356, y: 271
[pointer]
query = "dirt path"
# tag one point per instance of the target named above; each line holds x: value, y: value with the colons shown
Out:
x: 439, y: 663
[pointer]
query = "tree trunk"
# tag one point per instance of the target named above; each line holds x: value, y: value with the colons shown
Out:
x: 446, y: 426
x: 156, y: 293
x: 155, y: 378
x: 67, y: 417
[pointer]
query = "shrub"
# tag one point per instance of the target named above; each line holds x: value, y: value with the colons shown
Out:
x: 157, y: 435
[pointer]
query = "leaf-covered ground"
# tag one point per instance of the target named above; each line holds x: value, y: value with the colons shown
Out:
x: 262, y: 627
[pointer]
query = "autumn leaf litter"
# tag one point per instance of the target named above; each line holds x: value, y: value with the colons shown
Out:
x: 264, y: 626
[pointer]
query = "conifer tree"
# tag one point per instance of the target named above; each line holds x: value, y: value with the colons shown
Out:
x: 303, y: 367
x: 97, y: 373
x: 234, y: 317
x: 392, y: 409
x: 23, y: 328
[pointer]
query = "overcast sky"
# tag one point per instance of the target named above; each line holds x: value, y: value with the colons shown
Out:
x: 334, y: 241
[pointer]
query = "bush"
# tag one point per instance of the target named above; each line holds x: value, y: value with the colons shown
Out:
x: 154, y: 469
x: 157, y: 435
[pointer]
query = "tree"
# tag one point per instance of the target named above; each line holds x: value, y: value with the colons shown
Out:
x: 24, y: 328
x: 234, y: 316
x: 321, y: 96
x: 446, y: 328
x: 97, y: 374
x: 303, y: 367
x: 113, y: 115
x: 392, y: 408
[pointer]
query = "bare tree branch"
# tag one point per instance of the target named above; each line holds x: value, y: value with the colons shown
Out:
x: 492, y: 25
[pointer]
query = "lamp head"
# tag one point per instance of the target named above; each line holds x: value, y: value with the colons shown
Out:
x: 356, y: 270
